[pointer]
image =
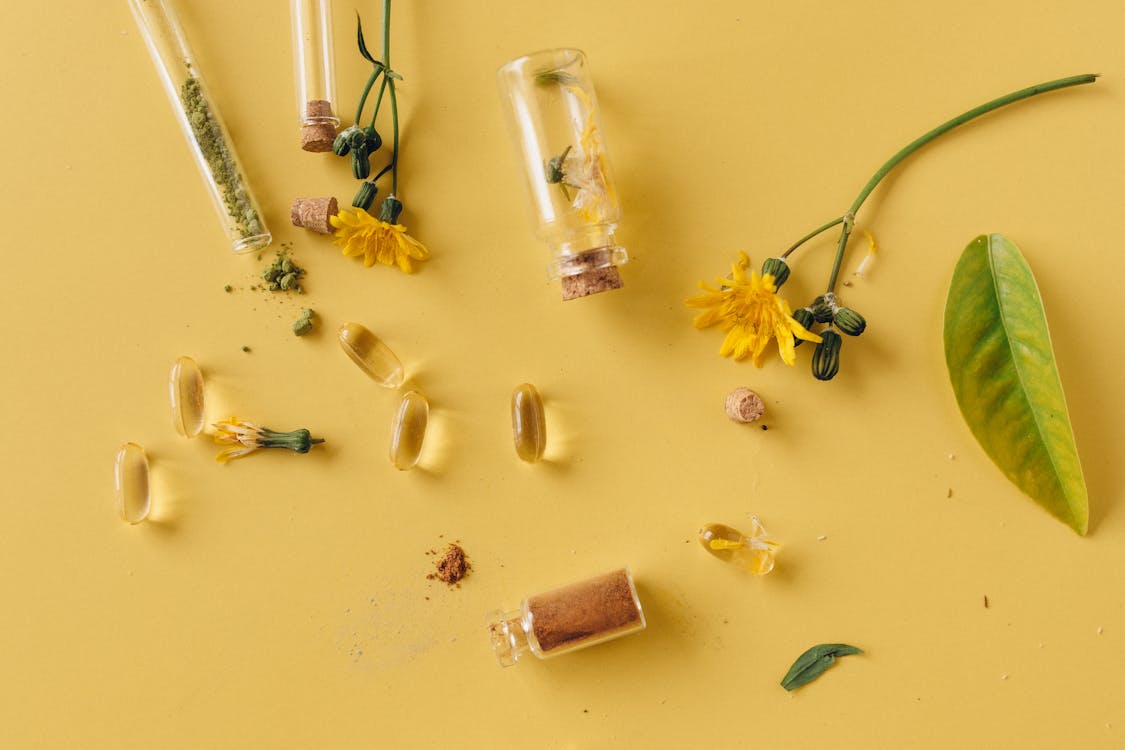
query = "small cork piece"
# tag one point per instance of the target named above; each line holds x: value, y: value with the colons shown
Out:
x: 313, y: 213
x: 318, y: 138
x: 316, y: 109
x: 744, y: 406
x: 319, y: 132
x: 591, y: 282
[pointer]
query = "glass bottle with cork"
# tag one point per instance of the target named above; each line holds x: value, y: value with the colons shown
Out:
x: 568, y: 618
x: 315, y: 73
x: 553, y: 110
x: 202, y: 125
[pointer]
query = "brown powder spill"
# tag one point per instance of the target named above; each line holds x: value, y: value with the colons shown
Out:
x: 451, y: 566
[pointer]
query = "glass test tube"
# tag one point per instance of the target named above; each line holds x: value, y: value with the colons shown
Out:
x: 202, y: 125
x: 315, y: 73
x: 553, y: 110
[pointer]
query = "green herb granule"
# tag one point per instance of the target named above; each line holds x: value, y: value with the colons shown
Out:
x: 220, y: 160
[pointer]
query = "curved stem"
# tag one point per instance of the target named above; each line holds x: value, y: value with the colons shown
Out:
x: 382, y: 172
x: 843, y: 243
x: 810, y: 235
x: 379, y: 100
x: 942, y: 129
x: 367, y: 90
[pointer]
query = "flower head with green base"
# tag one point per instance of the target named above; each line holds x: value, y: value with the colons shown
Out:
x: 747, y: 307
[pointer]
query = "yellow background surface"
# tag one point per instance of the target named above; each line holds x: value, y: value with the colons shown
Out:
x: 281, y: 601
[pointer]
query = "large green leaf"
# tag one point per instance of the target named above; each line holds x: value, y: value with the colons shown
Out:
x: 1002, y: 367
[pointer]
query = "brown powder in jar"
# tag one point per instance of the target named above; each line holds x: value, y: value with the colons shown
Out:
x: 594, y: 609
x: 452, y: 566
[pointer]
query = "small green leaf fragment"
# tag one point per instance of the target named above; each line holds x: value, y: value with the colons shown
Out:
x: 814, y: 662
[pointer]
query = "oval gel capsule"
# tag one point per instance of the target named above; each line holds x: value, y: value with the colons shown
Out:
x: 373, y: 356
x: 185, y: 391
x: 130, y: 480
x: 409, y: 430
x: 529, y: 426
x: 755, y: 553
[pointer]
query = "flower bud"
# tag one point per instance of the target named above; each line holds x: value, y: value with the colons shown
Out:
x: 356, y: 137
x: 824, y: 308
x: 826, y: 358
x: 361, y: 166
x: 341, y: 146
x: 372, y: 139
x: 803, y: 316
x: 366, y: 195
x: 390, y: 209
x: 778, y: 268
x: 849, y: 321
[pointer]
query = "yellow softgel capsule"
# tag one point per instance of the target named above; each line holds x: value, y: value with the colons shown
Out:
x: 130, y: 480
x: 373, y: 356
x: 754, y: 553
x: 408, y: 431
x: 529, y: 426
x: 185, y: 391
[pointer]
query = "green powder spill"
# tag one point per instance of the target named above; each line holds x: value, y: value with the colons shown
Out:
x: 220, y: 160
x: 303, y: 324
x: 283, y: 275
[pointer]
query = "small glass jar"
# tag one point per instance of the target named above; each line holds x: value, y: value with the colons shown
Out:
x: 553, y: 110
x: 568, y: 618
x: 315, y: 73
x: 202, y: 125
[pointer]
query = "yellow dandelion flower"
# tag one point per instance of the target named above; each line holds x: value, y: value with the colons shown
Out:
x: 248, y: 437
x: 747, y: 307
x: 361, y: 234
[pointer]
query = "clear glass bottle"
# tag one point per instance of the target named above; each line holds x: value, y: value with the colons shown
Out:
x: 568, y: 618
x: 202, y: 125
x: 315, y: 72
x: 553, y: 110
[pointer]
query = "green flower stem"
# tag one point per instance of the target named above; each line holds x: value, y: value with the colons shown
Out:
x: 810, y: 235
x: 388, y: 85
x: 387, y: 33
x: 394, y: 99
x: 379, y: 100
x: 367, y: 90
x: 394, y: 148
x: 918, y: 143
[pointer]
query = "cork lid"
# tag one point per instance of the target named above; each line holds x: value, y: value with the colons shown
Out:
x: 590, y: 282
x: 318, y: 137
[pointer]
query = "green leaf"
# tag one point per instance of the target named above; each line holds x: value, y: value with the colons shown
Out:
x: 813, y: 662
x: 362, y: 44
x: 1002, y: 368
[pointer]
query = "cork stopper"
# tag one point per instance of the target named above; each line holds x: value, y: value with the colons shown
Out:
x: 313, y: 213
x: 593, y: 275
x: 319, y: 131
x: 591, y: 282
x: 743, y: 405
x: 318, y: 138
x: 318, y: 109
